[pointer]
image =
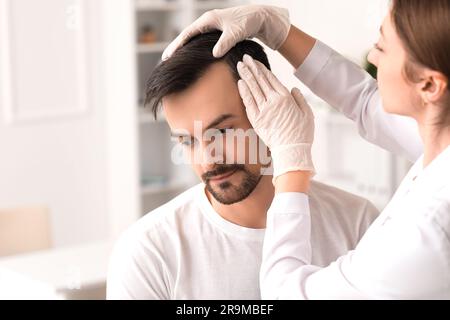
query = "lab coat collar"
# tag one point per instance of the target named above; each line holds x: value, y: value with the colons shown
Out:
x: 420, y: 183
x: 436, y: 174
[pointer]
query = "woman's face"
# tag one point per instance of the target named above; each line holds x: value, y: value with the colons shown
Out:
x: 389, y: 56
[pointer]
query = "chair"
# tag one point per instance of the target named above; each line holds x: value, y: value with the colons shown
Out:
x: 24, y: 229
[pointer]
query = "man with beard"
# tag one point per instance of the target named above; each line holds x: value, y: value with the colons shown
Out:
x: 207, y: 242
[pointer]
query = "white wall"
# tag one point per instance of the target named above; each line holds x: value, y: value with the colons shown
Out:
x: 348, y: 26
x: 60, y: 95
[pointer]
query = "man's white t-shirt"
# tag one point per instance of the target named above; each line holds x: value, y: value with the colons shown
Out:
x: 186, y: 250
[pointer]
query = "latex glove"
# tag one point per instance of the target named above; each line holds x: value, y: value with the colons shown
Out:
x: 269, y: 24
x: 282, y: 119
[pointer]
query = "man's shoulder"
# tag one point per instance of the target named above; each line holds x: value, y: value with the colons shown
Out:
x: 167, y: 216
x: 147, y: 247
x: 339, y: 220
x: 333, y: 200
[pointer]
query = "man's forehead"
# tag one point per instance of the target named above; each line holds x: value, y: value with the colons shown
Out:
x: 212, y: 89
x: 211, y: 97
x: 204, y: 125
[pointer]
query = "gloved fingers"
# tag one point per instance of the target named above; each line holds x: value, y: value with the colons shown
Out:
x: 179, y: 41
x: 273, y: 80
x: 301, y: 102
x: 259, y: 76
x: 226, y: 41
x: 247, y: 76
x: 250, y: 105
x: 208, y: 21
x: 204, y: 23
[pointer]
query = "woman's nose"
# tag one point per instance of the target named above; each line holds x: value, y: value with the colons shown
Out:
x: 373, y: 57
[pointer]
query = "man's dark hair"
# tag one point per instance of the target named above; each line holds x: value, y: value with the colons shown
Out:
x: 191, y: 61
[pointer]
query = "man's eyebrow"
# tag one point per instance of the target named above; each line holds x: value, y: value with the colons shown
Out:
x: 219, y: 120
x: 175, y: 134
x: 213, y: 124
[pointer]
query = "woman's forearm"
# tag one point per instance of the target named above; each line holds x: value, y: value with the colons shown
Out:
x: 297, y: 46
x: 295, y: 49
x: 295, y: 181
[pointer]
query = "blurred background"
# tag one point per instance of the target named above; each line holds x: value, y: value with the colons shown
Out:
x: 81, y: 159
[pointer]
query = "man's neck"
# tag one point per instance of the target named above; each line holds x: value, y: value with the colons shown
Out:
x: 250, y: 212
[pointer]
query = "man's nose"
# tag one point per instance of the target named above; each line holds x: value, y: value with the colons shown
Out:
x: 211, y: 154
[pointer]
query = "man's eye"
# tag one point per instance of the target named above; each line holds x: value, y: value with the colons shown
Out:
x: 224, y: 130
x: 187, y: 141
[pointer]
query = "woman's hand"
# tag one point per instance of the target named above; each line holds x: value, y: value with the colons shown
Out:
x: 268, y: 24
x: 282, y: 119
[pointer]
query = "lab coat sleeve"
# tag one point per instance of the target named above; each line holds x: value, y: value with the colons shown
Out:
x: 352, y: 91
x: 401, y: 259
x: 284, y: 250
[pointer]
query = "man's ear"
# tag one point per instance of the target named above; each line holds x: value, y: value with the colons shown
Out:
x: 433, y: 86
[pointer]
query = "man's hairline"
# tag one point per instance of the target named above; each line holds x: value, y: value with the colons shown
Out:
x: 219, y: 61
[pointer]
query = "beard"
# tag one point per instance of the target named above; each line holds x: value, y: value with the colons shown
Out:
x: 226, y: 192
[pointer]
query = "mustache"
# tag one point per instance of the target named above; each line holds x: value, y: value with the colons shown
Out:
x: 222, y: 169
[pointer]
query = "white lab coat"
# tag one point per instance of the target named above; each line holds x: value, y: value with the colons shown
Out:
x: 405, y: 254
